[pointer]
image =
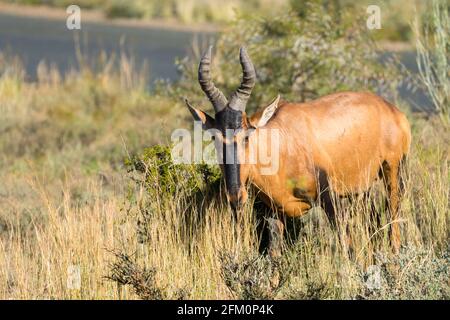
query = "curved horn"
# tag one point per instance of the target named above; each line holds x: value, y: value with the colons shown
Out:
x: 214, y: 95
x: 239, y: 99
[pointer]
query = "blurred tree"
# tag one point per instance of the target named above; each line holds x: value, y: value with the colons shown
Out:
x: 300, y: 57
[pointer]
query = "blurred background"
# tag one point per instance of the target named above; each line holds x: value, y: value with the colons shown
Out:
x: 160, y: 31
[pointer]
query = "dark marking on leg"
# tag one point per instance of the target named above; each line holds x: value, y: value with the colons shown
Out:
x: 325, y: 197
x: 402, y: 172
x: 391, y: 182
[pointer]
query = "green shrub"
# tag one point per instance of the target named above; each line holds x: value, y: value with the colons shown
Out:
x: 169, y: 187
x: 163, y: 177
x: 120, y: 9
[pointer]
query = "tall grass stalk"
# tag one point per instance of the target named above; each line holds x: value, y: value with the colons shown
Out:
x: 433, y: 57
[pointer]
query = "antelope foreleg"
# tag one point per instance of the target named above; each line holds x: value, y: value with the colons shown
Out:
x: 276, y: 231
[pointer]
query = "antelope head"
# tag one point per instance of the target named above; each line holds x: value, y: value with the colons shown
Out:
x: 231, y: 128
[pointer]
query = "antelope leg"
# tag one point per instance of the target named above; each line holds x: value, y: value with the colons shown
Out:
x: 276, y: 230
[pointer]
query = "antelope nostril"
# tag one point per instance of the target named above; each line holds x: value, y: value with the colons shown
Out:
x: 233, y: 205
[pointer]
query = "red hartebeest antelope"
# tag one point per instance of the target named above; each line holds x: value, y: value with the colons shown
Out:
x: 341, y: 142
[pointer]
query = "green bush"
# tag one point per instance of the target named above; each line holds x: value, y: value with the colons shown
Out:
x: 168, y: 188
x: 163, y: 177
x: 120, y: 9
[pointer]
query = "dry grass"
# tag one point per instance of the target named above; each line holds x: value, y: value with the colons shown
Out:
x: 36, y: 260
x: 66, y: 202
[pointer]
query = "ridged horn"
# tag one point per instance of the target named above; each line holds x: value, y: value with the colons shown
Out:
x: 218, y: 100
x: 239, y: 99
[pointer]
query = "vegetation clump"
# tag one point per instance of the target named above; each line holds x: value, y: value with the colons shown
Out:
x: 413, y: 274
x: 125, y: 272
x: 161, y: 175
x: 254, y: 277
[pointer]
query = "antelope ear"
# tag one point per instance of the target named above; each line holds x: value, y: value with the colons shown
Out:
x: 261, y: 118
x: 198, y: 115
